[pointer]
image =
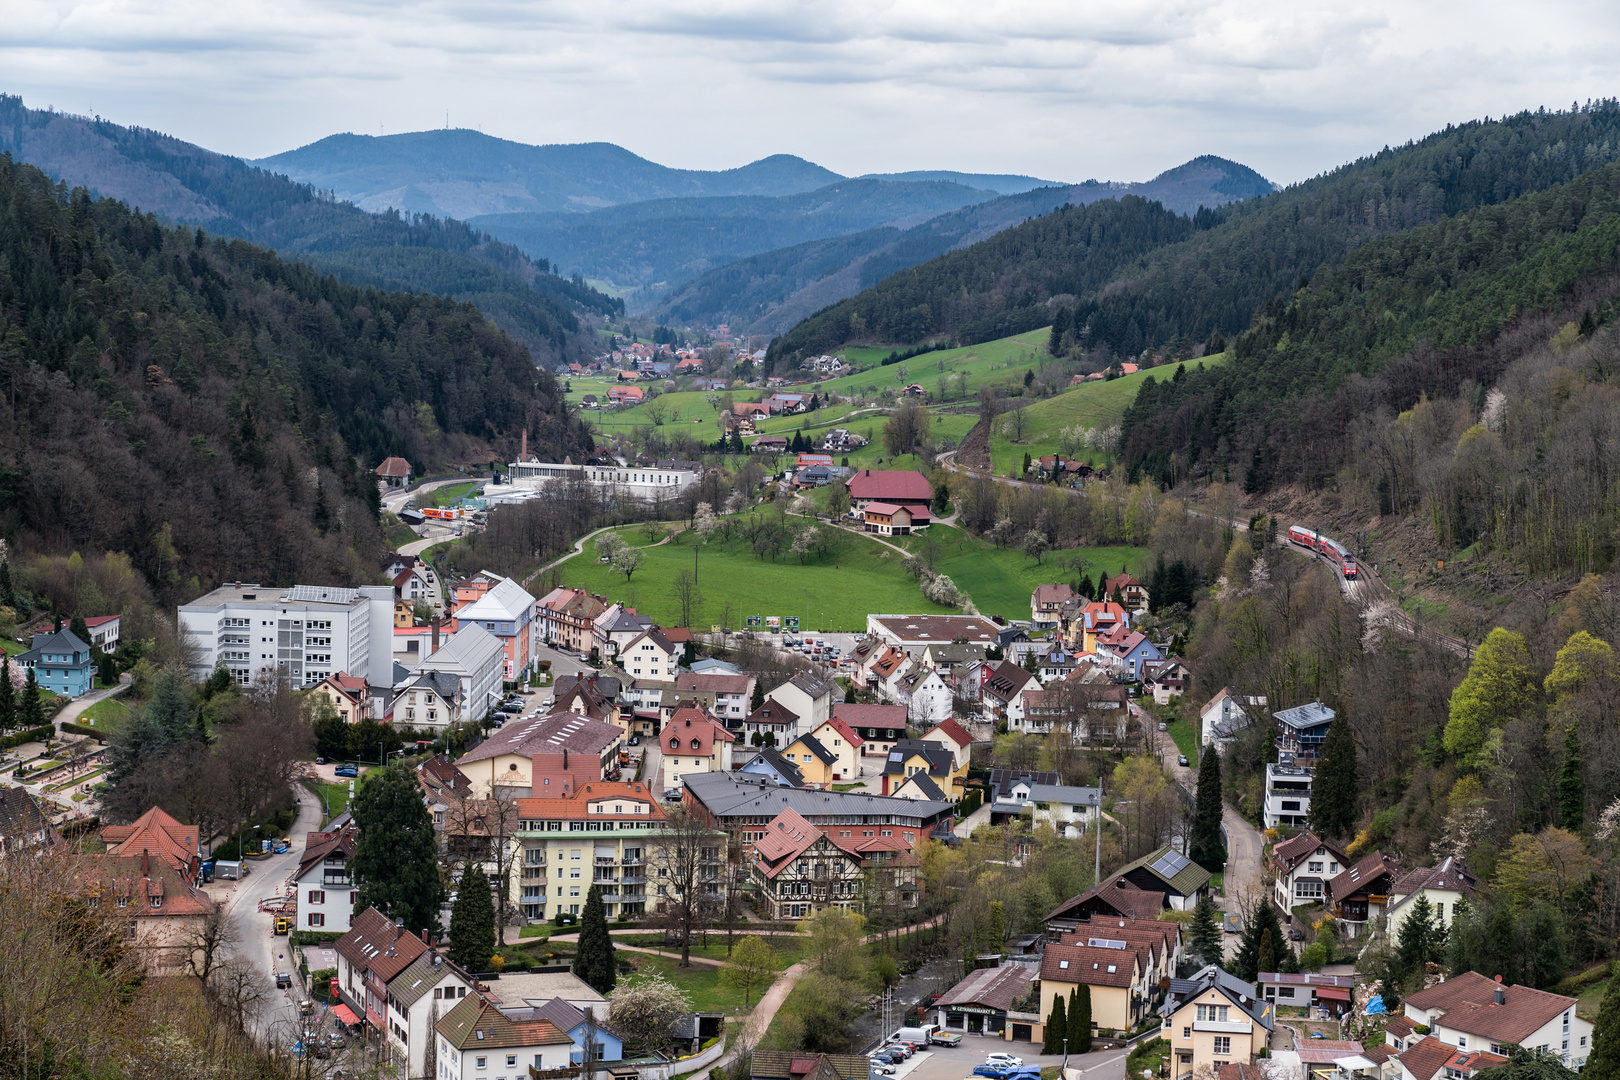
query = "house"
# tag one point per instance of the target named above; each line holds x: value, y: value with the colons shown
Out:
x: 477, y: 1039
x: 1093, y: 620
x: 24, y: 828
x: 558, y: 867
x: 694, y: 742
x: 895, y: 519
x: 651, y: 654
x: 731, y: 692
x: 1471, y: 1012
x: 1360, y: 893
x: 429, y: 702
x: 883, y: 670
x: 568, y: 617
x: 394, y: 472
x: 809, y: 697
x: 417, y: 997
x: 103, y: 631
x: 828, y: 755
x: 1046, y: 604
x: 1430, y: 1059
x: 348, y: 695
x: 773, y: 765
x: 740, y: 803
x: 1302, y: 730
x: 372, y: 952
x: 161, y: 912
x: 799, y: 1065
x: 1114, y: 973
x: 415, y: 582
x: 157, y: 833
x: 573, y: 1022
x: 626, y: 395
x: 802, y: 868
x: 953, y: 738
x: 925, y: 694
x: 1303, y: 866
x: 979, y: 1004
x: 323, y: 884
x: 1166, y: 679
x: 1445, y: 886
x: 507, y: 611
x: 1288, y: 794
x: 921, y: 786
x: 773, y: 722
x: 1115, y: 898
x: 1069, y: 810
x: 1161, y: 937
x: 868, y: 486
x: 877, y: 726
x: 947, y: 658
x: 1003, y: 693
x: 514, y: 755
x: 1213, y: 1020
x: 911, y: 756
x: 1166, y: 870
x: 615, y: 628
x: 1124, y: 589
x: 769, y: 444
x: 1309, y: 988
x: 61, y: 663
x: 476, y: 659
x: 1132, y: 651
x: 914, y: 633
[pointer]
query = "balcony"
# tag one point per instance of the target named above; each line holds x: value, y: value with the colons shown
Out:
x: 633, y: 879
x: 631, y: 860
x: 331, y: 880
x: 533, y: 873
x: 631, y: 898
x: 604, y: 876
x: 606, y: 860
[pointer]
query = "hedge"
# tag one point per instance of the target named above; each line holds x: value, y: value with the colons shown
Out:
x: 70, y: 728
x: 38, y: 734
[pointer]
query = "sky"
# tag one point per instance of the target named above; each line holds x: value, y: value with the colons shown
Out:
x: 1063, y: 91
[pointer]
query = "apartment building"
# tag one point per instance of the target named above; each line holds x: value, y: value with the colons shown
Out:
x: 306, y: 632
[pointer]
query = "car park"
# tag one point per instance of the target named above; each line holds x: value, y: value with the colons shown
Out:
x: 880, y: 1066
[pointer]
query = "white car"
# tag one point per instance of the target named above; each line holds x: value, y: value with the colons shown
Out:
x: 882, y: 1067
x: 1010, y: 1061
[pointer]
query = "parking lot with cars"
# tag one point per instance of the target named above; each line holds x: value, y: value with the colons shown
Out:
x: 958, y: 1062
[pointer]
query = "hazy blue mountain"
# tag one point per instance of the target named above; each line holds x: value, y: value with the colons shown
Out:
x: 770, y: 292
x: 186, y: 183
x: 466, y: 173
x: 644, y: 249
x: 1000, y: 183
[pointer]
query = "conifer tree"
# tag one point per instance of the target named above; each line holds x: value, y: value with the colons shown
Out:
x: 1204, y: 937
x: 396, y: 858
x: 1333, y: 795
x: 8, y: 695
x: 595, y: 962
x: 1604, y: 1064
x: 1267, y: 960
x: 1205, y: 845
x: 1057, y: 1026
x: 1080, y: 1020
x: 1418, y: 939
x: 1262, y: 924
x: 758, y: 697
x: 1571, y: 786
x: 79, y: 630
x: 472, y: 920
x: 8, y: 591
x: 30, y: 712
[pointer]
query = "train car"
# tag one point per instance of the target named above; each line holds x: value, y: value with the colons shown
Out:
x: 1303, y: 537
x: 1330, y: 549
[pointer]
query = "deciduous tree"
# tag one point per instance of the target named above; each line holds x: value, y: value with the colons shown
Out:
x: 751, y: 966
x: 1499, y: 685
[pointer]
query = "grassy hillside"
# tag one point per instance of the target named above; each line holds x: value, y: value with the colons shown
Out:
x: 834, y: 592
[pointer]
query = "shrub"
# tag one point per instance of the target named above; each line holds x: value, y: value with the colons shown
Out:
x: 35, y: 734
x: 70, y: 728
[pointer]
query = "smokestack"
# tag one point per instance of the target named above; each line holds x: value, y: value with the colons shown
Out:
x: 523, y: 453
x: 435, y: 633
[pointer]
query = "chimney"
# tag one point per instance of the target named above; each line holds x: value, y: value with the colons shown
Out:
x: 435, y: 633
x: 1499, y: 995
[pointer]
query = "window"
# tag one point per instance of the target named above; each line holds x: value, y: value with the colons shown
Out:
x: 481, y: 1063
x: 317, y: 919
x: 1186, y: 1033
x: 317, y: 896
x: 1314, y: 867
x: 1286, y: 991
x: 1290, y: 804
x: 1223, y: 1044
x: 1307, y: 890
x: 511, y: 1060
x: 157, y: 902
x: 1212, y: 1012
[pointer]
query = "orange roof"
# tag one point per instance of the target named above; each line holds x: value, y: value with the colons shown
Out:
x: 153, y: 887
x: 693, y: 731
x: 952, y: 731
x: 157, y: 832
x: 575, y: 804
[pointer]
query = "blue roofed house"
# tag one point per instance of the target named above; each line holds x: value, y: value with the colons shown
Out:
x: 571, y: 1021
x: 61, y: 663
x: 1302, y: 730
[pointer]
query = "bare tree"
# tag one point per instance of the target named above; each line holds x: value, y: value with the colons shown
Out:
x: 238, y: 989
x: 209, y: 946
x: 688, y: 863
x: 686, y: 595
x: 481, y: 830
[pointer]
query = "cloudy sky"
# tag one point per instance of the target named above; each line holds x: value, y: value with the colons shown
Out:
x: 1064, y: 91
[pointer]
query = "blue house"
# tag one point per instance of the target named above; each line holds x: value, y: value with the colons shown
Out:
x: 61, y: 663
x: 1135, y: 651
x: 571, y: 1022
x: 772, y: 765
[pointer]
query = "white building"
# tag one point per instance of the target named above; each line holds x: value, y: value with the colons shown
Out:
x: 479, y: 1040
x: 926, y: 696
x: 1473, y: 1013
x: 1069, y: 810
x: 325, y: 888
x: 1303, y: 866
x: 807, y: 697
x: 1288, y: 795
x: 664, y: 481
x: 1224, y: 715
x: 477, y: 660
x: 417, y: 996
x: 306, y: 632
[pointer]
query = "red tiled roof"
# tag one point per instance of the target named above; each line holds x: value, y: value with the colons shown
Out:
x: 1290, y: 853
x: 870, y: 716
x: 952, y: 731
x: 1364, y: 875
x: 1085, y: 964
x: 155, y: 831
x: 394, y: 466
x: 140, y: 879
x: 899, y: 486
x: 1467, y: 1003
x: 1428, y: 1057
x: 374, y: 943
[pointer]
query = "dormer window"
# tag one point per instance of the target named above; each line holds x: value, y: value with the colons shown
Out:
x: 157, y: 902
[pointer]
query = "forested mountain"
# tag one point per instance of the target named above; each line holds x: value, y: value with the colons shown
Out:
x: 186, y: 183
x: 1000, y: 183
x: 1379, y: 368
x: 769, y: 293
x: 1235, y: 259
x: 465, y: 173
x: 214, y: 411
x: 655, y: 245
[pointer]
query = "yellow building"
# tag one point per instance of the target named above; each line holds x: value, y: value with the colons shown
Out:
x: 1115, y: 977
x: 1220, y: 1021
x: 911, y: 756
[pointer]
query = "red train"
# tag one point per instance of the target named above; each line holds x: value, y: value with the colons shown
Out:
x: 1335, y: 552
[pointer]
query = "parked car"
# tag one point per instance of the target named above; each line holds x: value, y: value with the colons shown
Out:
x: 320, y: 761
x: 880, y: 1066
x: 1181, y: 760
x: 1011, y: 1061
x: 945, y: 1038
x: 347, y: 770
x: 995, y: 1072
x: 1163, y: 726
x: 283, y: 980
x: 673, y: 794
x: 635, y: 740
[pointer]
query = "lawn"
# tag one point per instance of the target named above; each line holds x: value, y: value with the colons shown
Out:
x: 12, y: 647
x: 336, y: 796
x: 1591, y: 1000
x: 701, y: 982
x: 1003, y: 360
x: 1185, y: 733
x: 448, y: 495
x: 108, y: 715
x: 789, y: 949
x: 837, y: 591
x: 833, y: 592
x: 1092, y: 405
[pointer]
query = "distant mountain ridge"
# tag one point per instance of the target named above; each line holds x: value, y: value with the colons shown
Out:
x: 770, y: 292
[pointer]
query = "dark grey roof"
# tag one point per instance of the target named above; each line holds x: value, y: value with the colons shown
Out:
x: 776, y: 760
x: 1073, y: 796
x: 729, y: 794
x: 939, y: 759
x: 442, y: 683
x: 1242, y: 994
x: 811, y: 685
x: 1002, y: 780
x: 926, y: 785
x: 1309, y: 715
x: 814, y: 746
x: 63, y: 641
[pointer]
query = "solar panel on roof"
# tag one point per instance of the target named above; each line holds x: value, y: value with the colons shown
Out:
x: 1169, y: 864
x: 1105, y: 943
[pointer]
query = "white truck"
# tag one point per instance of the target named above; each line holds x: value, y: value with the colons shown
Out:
x: 916, y: 1036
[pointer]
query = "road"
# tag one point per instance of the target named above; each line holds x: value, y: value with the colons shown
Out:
x: 435, y: 534
x: 394, y: 499
x: 255, y: 940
